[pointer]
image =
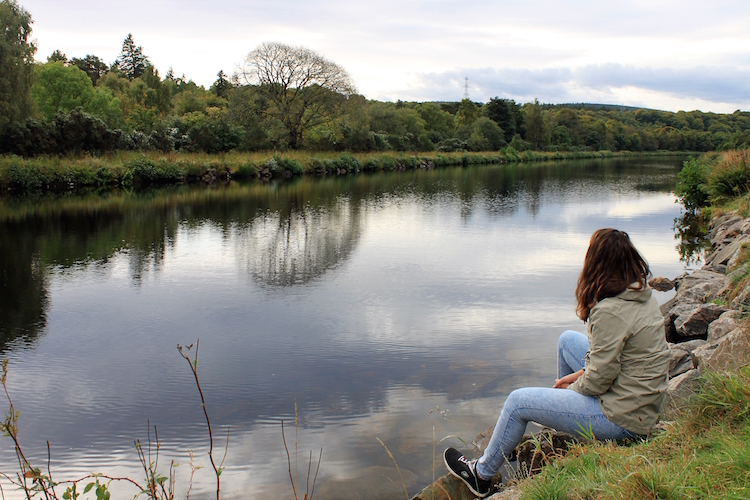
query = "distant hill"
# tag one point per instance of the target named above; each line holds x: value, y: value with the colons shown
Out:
x: 594, y: 106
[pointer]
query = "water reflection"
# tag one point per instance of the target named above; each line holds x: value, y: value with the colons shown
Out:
x: 23, y: 288
x: 690, y: 231
x: 300, y: 246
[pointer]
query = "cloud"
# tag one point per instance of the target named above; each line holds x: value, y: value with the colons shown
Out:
x: 607, y: 82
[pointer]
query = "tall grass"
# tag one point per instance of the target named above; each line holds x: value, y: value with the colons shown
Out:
x: 729, y: 175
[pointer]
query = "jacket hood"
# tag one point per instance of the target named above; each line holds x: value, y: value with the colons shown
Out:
x: 636, y: 295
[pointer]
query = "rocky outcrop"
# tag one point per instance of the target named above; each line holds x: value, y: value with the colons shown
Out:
x: 704, y: 321
x: 726, y: 354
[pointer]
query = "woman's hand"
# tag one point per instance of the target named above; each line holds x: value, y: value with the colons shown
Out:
x: 563, y: 383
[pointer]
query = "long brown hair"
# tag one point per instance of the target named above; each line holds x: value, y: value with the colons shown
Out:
x: 611, y: 265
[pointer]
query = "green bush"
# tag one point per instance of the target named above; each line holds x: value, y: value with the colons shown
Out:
x: 691, y: 184
x: 371, y: 165
x: 285, y: 166
x: 246, y: 170
x: 388, y: 162
x: 144, y: 172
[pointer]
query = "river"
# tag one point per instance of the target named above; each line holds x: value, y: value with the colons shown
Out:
x: 401, y: 307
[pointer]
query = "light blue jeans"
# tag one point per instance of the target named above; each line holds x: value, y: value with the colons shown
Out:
x: 561, y: 409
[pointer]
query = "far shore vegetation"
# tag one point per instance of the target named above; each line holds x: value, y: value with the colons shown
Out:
x: 64, y: 120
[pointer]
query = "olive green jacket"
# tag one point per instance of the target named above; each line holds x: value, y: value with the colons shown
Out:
x: 628, y: 360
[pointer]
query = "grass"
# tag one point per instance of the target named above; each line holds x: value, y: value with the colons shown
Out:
x: 703, y: 455
x: 136, y: 170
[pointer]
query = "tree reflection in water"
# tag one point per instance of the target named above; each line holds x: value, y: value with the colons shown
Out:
x: 690, y: 231
x: 297, y: 247
x: 23, y: 291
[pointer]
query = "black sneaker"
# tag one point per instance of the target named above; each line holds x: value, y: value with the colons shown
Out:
x: 465, y: 470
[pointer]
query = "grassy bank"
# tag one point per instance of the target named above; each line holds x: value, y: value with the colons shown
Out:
x: 704, y: 454
x: 134, y: 170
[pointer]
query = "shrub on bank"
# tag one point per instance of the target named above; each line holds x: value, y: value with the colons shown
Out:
x: 729, y: 175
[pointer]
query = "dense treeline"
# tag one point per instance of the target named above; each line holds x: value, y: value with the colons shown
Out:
x: 85, y: 105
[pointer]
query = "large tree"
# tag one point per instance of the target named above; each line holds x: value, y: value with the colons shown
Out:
x: 60, y: 88
x: 131, y: 61
x: 303, y: 89
x: 16, y: 62
x: 503, y: 112
x: 92, y: 66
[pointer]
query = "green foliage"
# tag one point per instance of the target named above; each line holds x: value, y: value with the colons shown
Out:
x: 723, y: 398
x: 246, y: 170
x: 221, y: 86
x: 467, y: 113
x: 691, y: 185
x: 303, y: 89
x: 16, y: 63
x: 94, y: 67
x: 486, y: 135
x: 506, y: 113
x: 60, y: 88
x: 145, y: 172
x: 537, y: 127
x: 58, y: 56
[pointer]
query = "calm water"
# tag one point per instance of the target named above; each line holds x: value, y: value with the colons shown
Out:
x: 400, y: 306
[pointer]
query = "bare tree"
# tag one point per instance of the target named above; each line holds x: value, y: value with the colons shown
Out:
x: 303, y: 88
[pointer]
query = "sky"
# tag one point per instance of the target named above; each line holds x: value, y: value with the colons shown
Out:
x: 670, y: 55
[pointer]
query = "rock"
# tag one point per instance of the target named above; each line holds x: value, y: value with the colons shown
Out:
x: 539, y: 448
x: 726, y: 354
x: 667, y: 306
x: 725, y: 253
x: 721, y: 269
x: 730, y: 231
x: 690, y: 345
x: 740, y: 301
x: 701, y: 286
x: 720, y: 223
x: 732, y: 278
x: 695, y: 322
x: 448, y: 488
x: 735, y: 260
x: 701, y: 354
x: 680, y: 389
x: 679, y: 361
x: 672, y: 313
x: 510, y: 493
x: 732, y: 313
x: 720, y: 327
x: 482, y: 440
x: 661, y: 284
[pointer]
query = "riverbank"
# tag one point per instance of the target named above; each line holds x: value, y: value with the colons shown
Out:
x: 139, y: 170
x: 701, y: 448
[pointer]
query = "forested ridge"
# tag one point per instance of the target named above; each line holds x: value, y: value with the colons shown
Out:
x: 83, y: 104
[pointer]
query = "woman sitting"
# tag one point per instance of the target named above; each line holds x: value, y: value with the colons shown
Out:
x: 610, y: 382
